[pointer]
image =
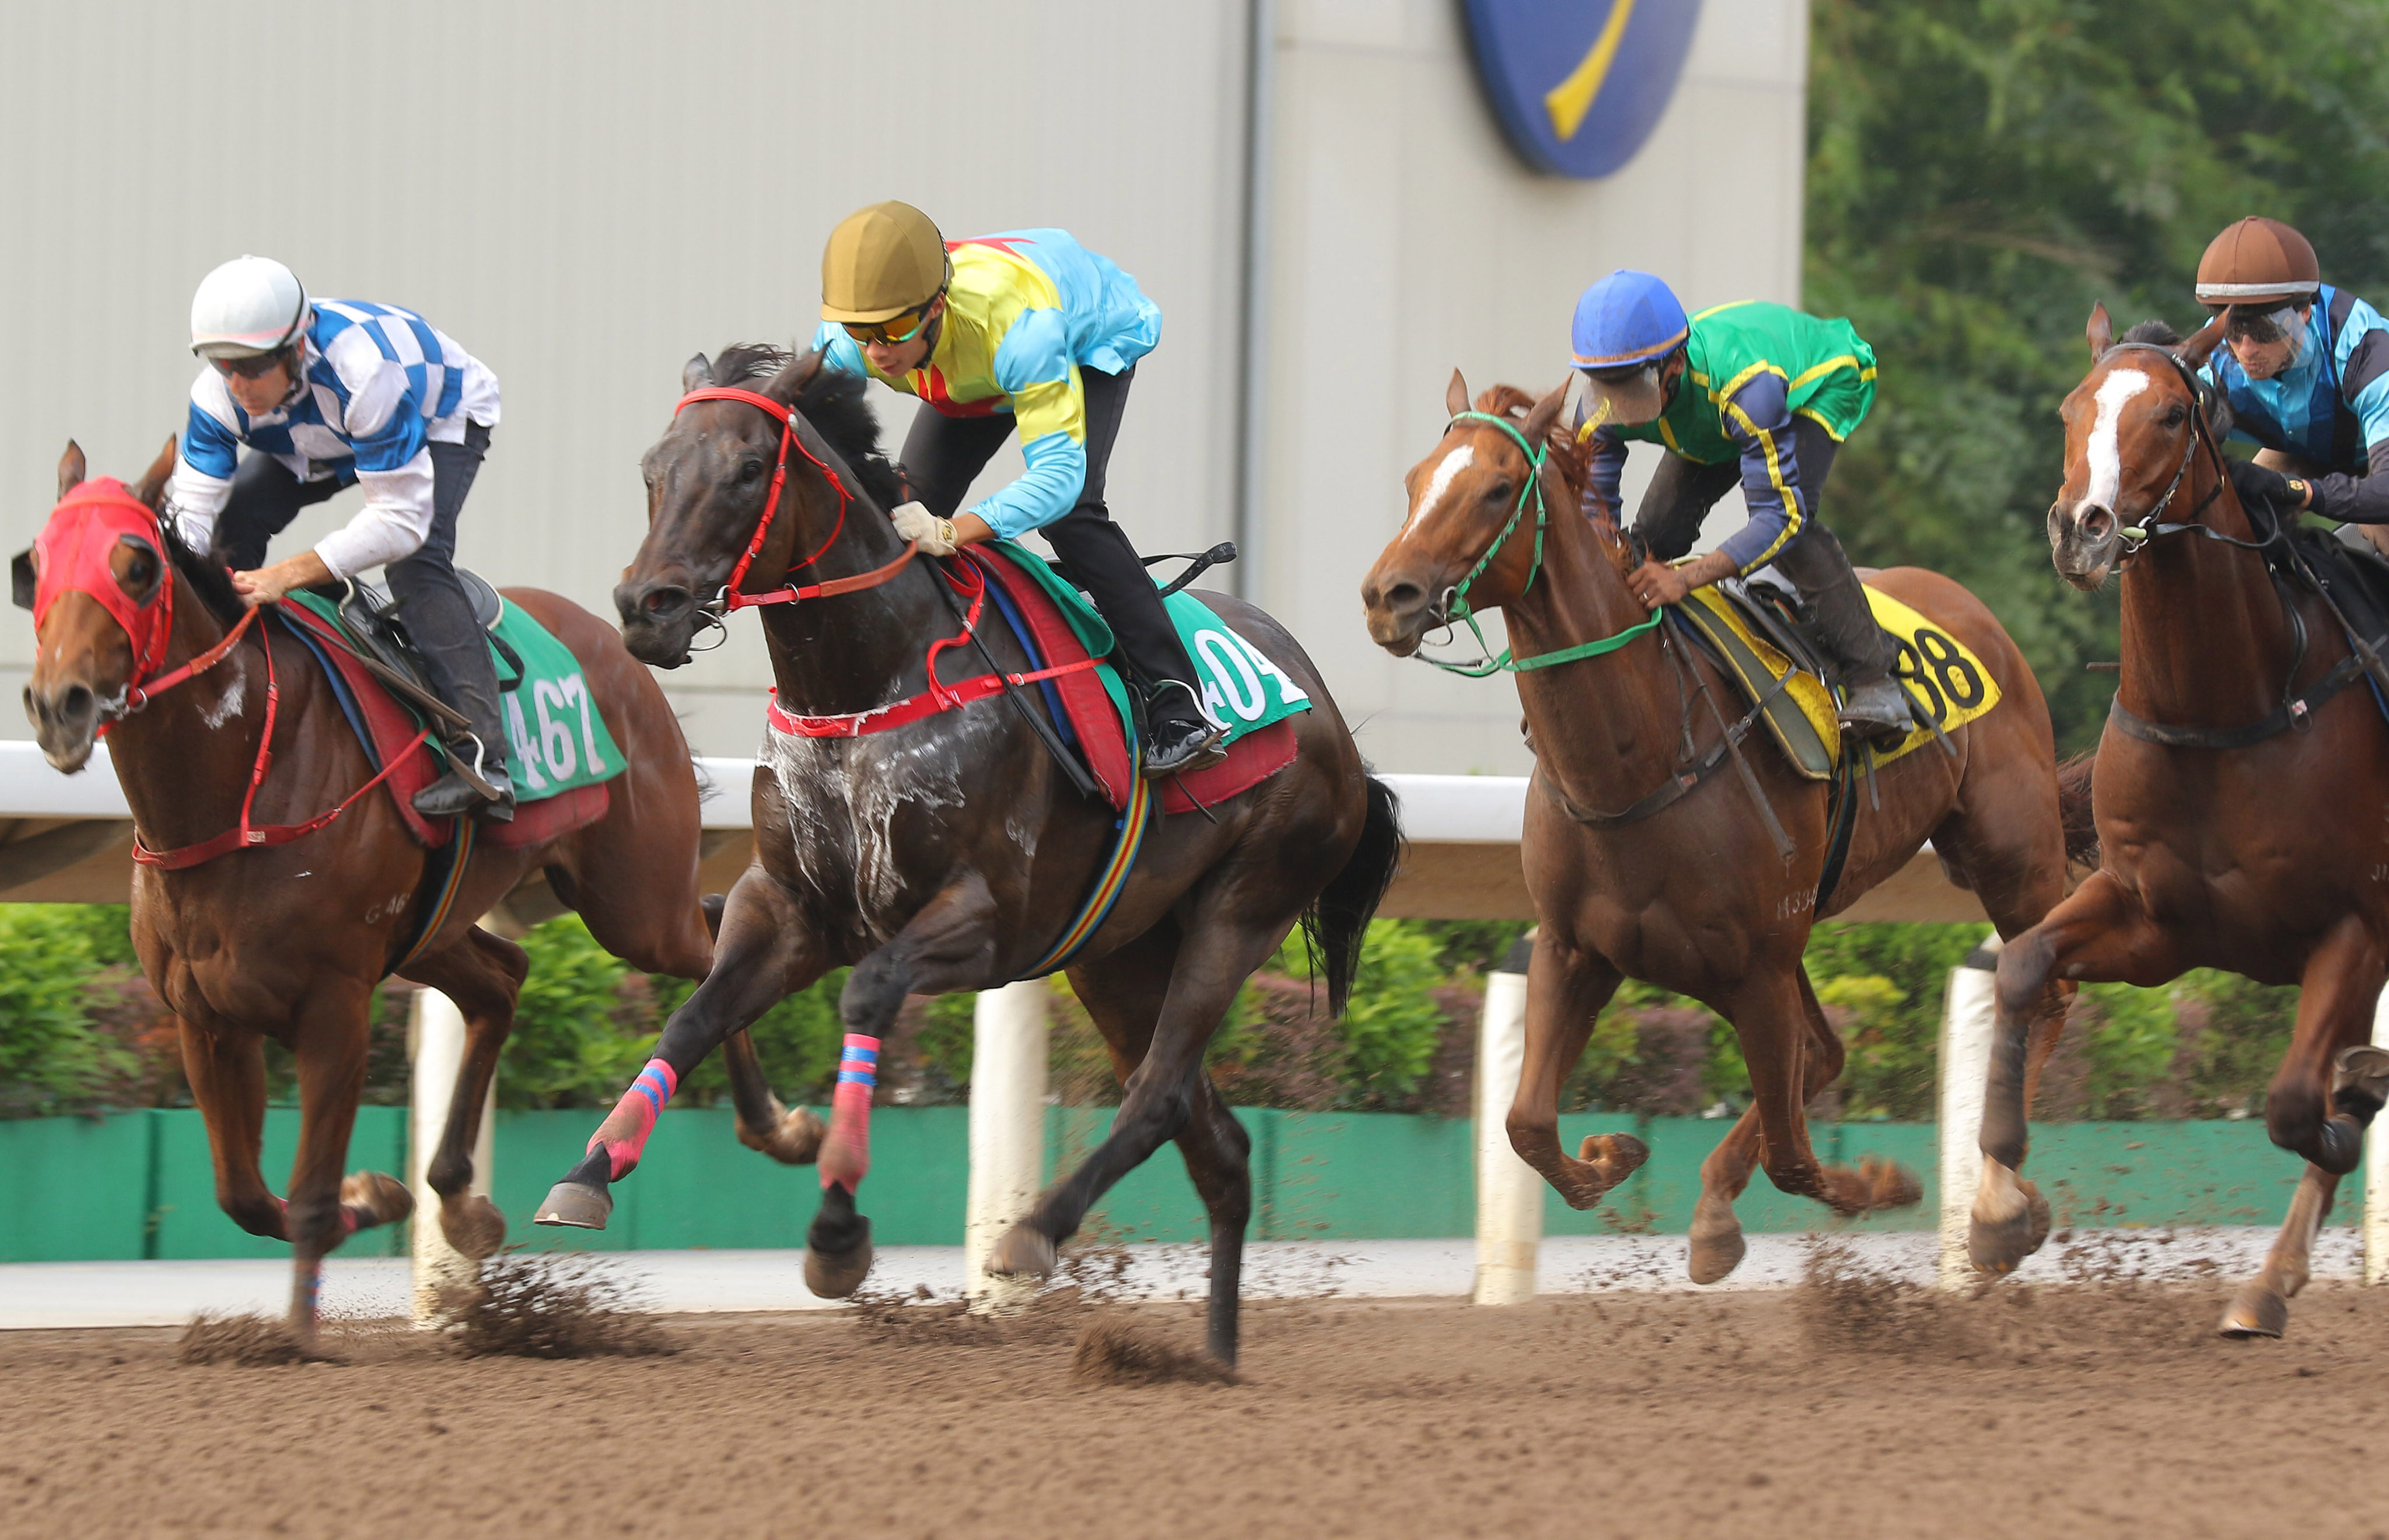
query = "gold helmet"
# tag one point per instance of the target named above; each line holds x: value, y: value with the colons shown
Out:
x: 2256, y: 260
x: 882, y: 262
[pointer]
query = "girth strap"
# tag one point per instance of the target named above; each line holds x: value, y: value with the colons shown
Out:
x: 2298, y: 713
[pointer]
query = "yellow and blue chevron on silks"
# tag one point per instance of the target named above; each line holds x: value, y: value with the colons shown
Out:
x: 1129, y: 840
x: 1578, y: 84
x: 1938, y: 670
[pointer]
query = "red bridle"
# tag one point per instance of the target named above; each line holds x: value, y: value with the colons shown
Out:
x: 731, y: 598
x: 70, y: 556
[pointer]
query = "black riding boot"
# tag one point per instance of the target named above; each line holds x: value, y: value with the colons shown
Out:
x: 1876, y: 707
x: 439, y: 619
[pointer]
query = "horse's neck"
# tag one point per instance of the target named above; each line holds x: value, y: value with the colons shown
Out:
x: 183, y: 759
x: 1610, y: 727
x: 2205, y: 639
x: 855, y: 650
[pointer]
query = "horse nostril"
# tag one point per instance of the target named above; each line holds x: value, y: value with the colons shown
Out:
x: 77, y: 704
x: 665, y: 603
x: 1403, y: 598
x: 2096, y: 524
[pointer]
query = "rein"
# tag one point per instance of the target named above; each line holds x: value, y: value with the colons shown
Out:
x: 1455, y: 604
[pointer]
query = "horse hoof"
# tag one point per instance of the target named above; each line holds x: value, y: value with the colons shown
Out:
x: 834, y: 1275
x: 2359, y: 1081
x: 1892, y: 1185
x: 1714, y: 1256
x: 1999, y: 1246
x: 473, y: 1226
x: 1023, y: 1253
x: 2256, y: 1310
x: 377, y: 1199
x: 794, y: 1138
x: 1615, y: 1156
x: 575, y: 1205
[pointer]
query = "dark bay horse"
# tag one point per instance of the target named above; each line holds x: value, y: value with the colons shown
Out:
x: 287, y: 940
x: 1695, y: 897
x: 2240, y: 787
x: 949, y: 853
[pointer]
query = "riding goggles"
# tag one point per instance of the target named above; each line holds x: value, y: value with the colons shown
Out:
x: 2247, y: 324
x: 256, y: 366
x: 885, y: 333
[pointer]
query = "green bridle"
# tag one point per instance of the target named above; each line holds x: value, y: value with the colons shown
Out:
x: 1461, y: 611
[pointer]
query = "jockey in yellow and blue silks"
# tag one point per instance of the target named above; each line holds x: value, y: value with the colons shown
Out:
x: 1753, y: 393
x: 1025, y: 331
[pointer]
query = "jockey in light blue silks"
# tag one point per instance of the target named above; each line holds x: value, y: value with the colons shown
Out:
x: 326, y: 393
x: 1755, y: 393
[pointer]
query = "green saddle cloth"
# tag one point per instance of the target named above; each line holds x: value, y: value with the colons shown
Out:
x: 1243, y: 690
x: 556, y: 737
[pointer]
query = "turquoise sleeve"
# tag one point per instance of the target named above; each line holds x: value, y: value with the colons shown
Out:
x: 1047, y: 489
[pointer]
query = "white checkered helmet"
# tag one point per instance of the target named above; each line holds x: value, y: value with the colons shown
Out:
x: 248, y: 307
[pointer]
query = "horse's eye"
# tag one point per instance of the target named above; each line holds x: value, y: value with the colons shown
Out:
x: 751, y: 471
x: 140, y: 572
x: 1498, y: 493
x: 2175, y: 416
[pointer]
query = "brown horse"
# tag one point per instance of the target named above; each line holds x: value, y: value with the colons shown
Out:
x: 2236, y: 788
x: 949, y: 853
x: 1685, y: 886
x: 288, y: 940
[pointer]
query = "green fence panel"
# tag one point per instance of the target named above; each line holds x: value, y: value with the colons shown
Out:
x: 189, y: 1224
x: 1373, y: 1176
x: 76, y: 1190
x: 2110, y: 1174
x: 1156, y: 1202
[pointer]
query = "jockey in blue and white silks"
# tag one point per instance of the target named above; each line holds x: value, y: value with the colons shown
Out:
x: 2304, y: 367
x: 326, y: 394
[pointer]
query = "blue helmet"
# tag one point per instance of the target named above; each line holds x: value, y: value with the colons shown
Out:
x: 1626, y: 319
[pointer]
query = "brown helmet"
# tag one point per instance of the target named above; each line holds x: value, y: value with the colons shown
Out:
x: 2254, y: 261
x: 882, y: 262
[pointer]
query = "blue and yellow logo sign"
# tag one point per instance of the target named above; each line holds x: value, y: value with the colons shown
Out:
x: 1579, y: 84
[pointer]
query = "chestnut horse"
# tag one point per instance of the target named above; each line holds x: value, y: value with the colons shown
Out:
x: 289, y: 940
x: 949, y: 852
x: 2237, y: 788
x: 1684, y: 885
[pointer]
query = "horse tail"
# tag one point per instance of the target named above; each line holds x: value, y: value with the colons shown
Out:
x: 2073, y: 809
x: 1338, y: 919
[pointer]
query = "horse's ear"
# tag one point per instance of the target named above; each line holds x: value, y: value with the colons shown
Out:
x: 1455, y: 394
x: 151, y: 488
x: 1547, y: 412
x: 2194, y: 349
x: 22, y: 579
x: 71, y: 468
x: 2101, y: 332
x: 696, y: 374
x: 790, y: 382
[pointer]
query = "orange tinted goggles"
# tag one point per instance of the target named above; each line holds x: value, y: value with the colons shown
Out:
x: 894, y: 331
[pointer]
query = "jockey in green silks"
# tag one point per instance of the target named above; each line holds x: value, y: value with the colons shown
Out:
x: 1750, y: 393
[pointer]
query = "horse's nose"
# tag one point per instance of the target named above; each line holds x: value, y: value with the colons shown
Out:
x: 75, y: 708
x: 2095, y: 522
x: 1396, y: 600
x: 654, y: 604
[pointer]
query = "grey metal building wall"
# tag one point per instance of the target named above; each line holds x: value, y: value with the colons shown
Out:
x: 586, y: 194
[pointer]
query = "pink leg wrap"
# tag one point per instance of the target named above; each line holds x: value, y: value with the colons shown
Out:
x: 846, y: 1153
x: 625, y: 1132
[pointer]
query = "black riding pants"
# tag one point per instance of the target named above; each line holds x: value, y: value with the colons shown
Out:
x: 431, y: 600
x: 942, y: 456
x: 1683, y: 492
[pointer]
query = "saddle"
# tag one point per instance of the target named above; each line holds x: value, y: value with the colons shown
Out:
x: 374, y: 620
x: 2354, y: 573
x: 1791, y: 687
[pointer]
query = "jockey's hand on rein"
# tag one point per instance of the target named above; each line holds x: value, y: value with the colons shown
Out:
x: 916, y: 522
x: 2262, y: 484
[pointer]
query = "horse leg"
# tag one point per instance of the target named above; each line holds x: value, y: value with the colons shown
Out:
x: 1771, y: 1019
x: 483, y: 974
x: 226, y: 1068
x: 2329, y: 1087
x: 1566, y: 988
x: 1716, y: 1243
x: 324, y: 1209
x: 2099, y: 933
x: 766, y: 953
x: 947, y: 946
x: 1216, y: 954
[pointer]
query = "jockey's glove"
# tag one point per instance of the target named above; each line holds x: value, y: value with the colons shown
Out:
x: 2262, y: 484
x: 916, y: 522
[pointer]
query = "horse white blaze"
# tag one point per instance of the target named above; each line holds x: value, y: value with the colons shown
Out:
x: 1453, y: 463
x: 2106, y: 459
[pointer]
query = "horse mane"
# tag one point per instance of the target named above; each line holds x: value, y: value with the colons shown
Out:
x: 1568, y: 455
x: 832, y: 400
x: 208, y: 574
x: 2155, y: 331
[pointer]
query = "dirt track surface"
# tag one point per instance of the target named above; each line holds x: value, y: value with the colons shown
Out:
x: 1848, y: 1409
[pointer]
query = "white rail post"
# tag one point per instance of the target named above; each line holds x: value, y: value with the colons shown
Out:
x: 1007, y: 1131
x: 436, y: 1045
x: 1509, y: 1193
x: 1966, y: 1025
x: 2376, y: 1172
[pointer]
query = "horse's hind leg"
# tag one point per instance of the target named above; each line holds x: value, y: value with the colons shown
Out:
x: 483, y: 974
x: 2329, y: 1087
x: 1774, y: 1018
